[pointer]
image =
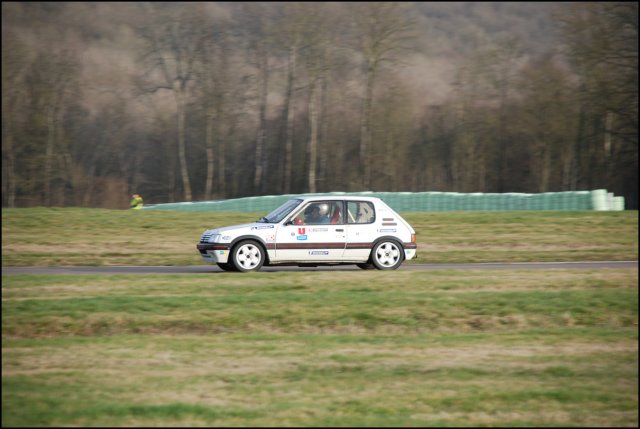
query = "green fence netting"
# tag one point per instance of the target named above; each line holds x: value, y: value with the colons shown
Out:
x: 598, y: 199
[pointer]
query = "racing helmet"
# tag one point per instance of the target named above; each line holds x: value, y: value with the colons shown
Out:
x: 324, y: 209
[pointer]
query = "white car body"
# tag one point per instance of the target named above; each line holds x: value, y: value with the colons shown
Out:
x: 354, y: 230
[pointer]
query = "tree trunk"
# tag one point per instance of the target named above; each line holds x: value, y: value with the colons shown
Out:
x: 313, y: 138
x: 365, y: 128
x: 65, y: 155
x: 323, y: 170
x: 48, y: 160
x: 258, y: 184
x: 290, y: 115
x: 171, y: 171
x: 180, y: 102
x: 210, y: 157
x: 545, y: 170
x: 9, y: 169
x: 222, y: 182
x: 222, y: 134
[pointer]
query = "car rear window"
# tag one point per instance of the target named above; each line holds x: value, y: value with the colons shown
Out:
x: 360, y: 212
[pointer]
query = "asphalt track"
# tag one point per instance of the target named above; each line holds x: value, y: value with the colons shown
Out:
x: 208, y: 269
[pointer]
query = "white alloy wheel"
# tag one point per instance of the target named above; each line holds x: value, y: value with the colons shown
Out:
x: 387, y: 255
x: 248, y: 256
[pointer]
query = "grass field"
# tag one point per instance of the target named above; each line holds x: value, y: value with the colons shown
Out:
x: 75, y: 236
x: 476, y: 348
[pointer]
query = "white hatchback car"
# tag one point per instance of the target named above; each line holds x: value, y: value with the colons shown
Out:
x: 311, y: 231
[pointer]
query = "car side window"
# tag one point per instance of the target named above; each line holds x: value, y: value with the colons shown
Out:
x: 320, y: 212
x: 360, y: 212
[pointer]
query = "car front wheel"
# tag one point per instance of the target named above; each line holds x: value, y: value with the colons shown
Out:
x: 248, y: 256
x: 227, y: 266
x: 387, y: 255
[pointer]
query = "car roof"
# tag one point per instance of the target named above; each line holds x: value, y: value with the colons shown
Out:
x: 337, y: 198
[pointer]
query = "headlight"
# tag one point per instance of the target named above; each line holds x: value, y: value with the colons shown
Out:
x: 209, y: 237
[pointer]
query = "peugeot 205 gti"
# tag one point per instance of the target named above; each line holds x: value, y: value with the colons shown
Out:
x: 311, y: 231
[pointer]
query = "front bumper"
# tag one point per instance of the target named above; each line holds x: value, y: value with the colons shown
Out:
x: 410, y: 251
x: 214, y: 253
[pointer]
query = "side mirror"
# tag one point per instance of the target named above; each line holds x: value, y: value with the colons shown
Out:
x: 289, y: 222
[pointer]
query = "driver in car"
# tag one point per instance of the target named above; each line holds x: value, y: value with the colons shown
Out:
x: 316, y: 214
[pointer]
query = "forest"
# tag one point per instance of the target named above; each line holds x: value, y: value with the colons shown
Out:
x: 194, y: 101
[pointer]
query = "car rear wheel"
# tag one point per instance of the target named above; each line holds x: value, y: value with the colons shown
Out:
x: 247, y: 256
x: 366, y: 266
x: 387, y: 255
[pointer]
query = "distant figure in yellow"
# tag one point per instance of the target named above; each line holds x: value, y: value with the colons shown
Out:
x: 136, y: 202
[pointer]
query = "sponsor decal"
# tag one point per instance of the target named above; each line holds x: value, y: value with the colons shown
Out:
x: 302, y: 234
x: 221, y: 252
x: 293, y: 234
x: 226, y: 238
x: 318, y: 229
x: 387, y: 230
x: 270, y: 238
x: 389, y: 224
x: 319, y: 252
x: 388, y: 219
x: 263, y: 227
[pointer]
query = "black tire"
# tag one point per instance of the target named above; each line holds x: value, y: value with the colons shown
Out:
x: 227, y: 266
x: 366, y: 266
x: 387, y: 255
x: 248, y: 256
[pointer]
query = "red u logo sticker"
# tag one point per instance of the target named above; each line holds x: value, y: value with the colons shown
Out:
x: 301, y: 231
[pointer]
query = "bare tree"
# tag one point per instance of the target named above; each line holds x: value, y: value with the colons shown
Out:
x: 382, y: 30
x: 254, y: 24
x: 173, y: 44
x: 504, y: 65
x: 316, y: 43
x: 468, y: 154
x: 290, y: 34
x: 108, y: 152
x: 601, y: 41
x: 214, y: 73
x: 53, y: 84
x: 547, y: 122
x: 14, y: 65
x: 316, y: 94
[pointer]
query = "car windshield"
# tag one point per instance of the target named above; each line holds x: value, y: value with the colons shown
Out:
x: 281, y: 212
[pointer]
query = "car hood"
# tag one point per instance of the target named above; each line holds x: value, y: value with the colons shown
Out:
x: 243, y: 228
